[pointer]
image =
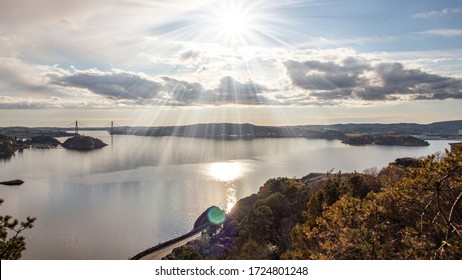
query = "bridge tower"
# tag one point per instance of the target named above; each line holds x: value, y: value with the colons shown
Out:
x: 76, y: 128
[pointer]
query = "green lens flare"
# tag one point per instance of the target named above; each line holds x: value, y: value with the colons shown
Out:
x: 216, y: 216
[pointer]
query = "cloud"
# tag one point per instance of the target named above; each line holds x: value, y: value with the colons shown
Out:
x: 143, y: 90
x: 189, y: 55
x: 113, y: 85
x: 22, y: 78
x: 318, y: 75
x: 439, y: 96
x: 21, y: 14
x: 184, y: 92
x: 232, y: 91
x: 250, y: 76
x: 439, y: 13
x: 358, y: 79
x: 441, y: 32
x: 7, y: 102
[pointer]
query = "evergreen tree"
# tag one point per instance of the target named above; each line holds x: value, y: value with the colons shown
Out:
x: 11, y: 242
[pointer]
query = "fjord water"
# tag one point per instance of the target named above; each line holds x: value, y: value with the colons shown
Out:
x: 117, y: 201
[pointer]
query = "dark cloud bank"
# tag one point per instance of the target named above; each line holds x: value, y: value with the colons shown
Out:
x: 357, y: 79
x: 352, y: 79
x: 127, y: 86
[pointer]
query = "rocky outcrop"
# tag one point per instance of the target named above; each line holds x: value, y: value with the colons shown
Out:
x: 83, y: 143
x: 212, y: 216
x: 12, y: 183
x: 202, y: 219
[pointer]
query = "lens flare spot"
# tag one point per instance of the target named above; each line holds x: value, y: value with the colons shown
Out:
x: 216, y: 216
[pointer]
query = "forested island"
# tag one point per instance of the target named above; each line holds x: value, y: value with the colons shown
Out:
x: 387, y: 140
x: 411, y: 209
x: 83, y: 143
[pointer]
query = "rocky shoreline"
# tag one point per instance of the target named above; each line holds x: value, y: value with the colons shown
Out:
x: 9, y: 145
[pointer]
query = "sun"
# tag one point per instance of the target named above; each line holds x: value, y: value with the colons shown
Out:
x: 233, y: 22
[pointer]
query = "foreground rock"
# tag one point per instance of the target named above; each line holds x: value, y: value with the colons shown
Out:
x: 83, y: 143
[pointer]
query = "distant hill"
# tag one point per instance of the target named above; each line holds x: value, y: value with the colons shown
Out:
x: 246, y: 131
x: 27, y: 132
x: 230, y: 131
x: 445, y: 128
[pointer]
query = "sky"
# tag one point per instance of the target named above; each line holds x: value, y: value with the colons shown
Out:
x: 265, y: 62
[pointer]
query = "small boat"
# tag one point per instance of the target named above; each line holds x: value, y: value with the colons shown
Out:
x: 12, y: 182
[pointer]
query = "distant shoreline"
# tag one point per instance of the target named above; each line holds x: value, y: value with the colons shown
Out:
x: 447, y: 130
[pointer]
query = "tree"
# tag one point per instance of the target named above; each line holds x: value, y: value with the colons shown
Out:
x: 11, y: 246
x: 417, y: 217
x: 252, y: 250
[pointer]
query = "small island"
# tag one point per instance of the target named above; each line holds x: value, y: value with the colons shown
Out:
x: 43, y: 142
x: 83, y: 143
x: 385, y: 139
x: 16, y: 182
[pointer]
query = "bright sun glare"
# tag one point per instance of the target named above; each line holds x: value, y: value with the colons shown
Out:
x: 225, y: 171
x: 233, y: 22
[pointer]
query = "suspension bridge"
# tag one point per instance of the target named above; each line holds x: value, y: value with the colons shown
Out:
x: 80, y: 126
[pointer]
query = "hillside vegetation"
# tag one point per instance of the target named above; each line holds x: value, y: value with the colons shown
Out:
x: 7, y: 146
x: 411, y: 209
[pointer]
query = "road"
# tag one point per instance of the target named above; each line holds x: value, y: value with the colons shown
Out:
x: 162, y: 250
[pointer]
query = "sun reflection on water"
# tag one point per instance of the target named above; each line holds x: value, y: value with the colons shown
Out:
x: 228, y: 173
x: 231, y: 198
x: 225, y: 171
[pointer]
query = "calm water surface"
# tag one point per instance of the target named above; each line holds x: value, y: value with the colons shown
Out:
x: 117, y: 201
